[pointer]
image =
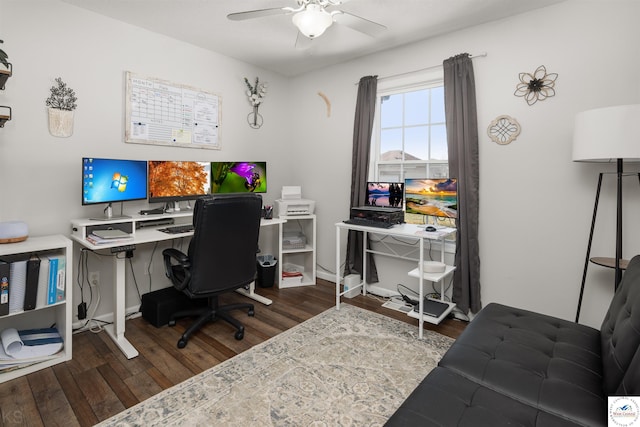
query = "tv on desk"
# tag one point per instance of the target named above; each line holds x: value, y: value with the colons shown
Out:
x: 436, y: 197
x: 113, y: 180
x: 173, y: 181
x: 239, y: 177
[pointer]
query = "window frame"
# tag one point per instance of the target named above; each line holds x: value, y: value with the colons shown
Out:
x: 424, y: 79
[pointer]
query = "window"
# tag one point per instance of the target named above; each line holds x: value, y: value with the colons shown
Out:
x: 410, y: 138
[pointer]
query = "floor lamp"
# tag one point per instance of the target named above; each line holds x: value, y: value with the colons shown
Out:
x: 609, y: 134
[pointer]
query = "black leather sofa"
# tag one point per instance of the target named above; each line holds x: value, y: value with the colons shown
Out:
x: 512, y: 367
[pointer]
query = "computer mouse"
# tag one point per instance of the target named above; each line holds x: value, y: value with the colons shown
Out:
x: 430, y: 228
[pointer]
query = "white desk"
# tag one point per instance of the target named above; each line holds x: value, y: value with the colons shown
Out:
x: 147, y: 234
x: 411, y: 231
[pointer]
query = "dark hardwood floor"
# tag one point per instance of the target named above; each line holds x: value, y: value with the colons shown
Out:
x: 100, y: 382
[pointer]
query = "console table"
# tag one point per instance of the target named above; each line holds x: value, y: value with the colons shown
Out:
x: 143, y: 230
x: 406, y: 231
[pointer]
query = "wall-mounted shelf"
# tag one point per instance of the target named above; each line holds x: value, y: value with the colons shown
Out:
x: 3, y: 116
x: 4, y: 76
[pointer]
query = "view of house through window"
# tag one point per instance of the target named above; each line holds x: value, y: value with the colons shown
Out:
x: 410, y: 135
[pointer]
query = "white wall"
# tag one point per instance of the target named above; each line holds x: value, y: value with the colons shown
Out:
x: 40, y: 174
x: 535, y: 203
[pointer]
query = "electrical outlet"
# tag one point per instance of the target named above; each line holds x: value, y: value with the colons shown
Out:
x: 94, y: 278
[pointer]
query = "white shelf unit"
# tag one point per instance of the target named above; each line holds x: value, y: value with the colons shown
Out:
x: 434, y: 278
x: 303, y: 258
x: 42, y: 316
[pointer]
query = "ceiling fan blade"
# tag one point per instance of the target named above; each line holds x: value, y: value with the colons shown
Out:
x: 357, y: 23
x: 251, y: 14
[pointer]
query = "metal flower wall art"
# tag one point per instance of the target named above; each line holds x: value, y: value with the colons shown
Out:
x: 537, y: 86
x: 255, y: 94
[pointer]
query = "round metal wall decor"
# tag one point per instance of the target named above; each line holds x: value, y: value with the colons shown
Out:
x: 503, y: 130
x: 537, y: 86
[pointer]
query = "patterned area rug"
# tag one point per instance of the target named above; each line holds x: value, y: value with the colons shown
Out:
x: 349, y: 367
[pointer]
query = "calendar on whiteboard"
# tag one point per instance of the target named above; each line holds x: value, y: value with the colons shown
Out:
x: 164, y: 113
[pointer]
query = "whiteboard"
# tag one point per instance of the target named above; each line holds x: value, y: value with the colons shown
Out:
x: 163, y: 113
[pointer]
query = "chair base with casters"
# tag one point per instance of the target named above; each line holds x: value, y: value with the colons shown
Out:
x: 211, y: 313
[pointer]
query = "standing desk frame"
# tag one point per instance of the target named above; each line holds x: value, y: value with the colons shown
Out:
x: 142, y: 236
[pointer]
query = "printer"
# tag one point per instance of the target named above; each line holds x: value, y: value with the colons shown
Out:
x: 291, y: 203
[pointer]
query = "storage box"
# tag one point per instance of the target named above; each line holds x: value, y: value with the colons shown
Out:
x: 158, y: 306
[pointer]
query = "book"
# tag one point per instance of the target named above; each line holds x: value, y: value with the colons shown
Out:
x: 111, y: 234
x: 31, y: 289
x: 56, y: 284
x: 97, y: 240
x: 5, y: 269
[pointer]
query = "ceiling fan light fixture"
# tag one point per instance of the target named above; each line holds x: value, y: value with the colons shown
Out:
x: 313, y: 21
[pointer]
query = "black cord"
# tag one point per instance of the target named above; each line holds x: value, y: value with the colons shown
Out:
x: 405, y: 297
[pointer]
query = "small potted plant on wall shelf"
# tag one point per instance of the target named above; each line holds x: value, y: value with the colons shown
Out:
x: 4, y: 74
x: 61, y: 103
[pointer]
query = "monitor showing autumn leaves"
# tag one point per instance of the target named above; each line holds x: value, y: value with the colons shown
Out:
x: 172, y: 181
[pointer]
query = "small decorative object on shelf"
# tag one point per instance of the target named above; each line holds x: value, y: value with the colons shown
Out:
x: 4, y: 117
x: 61, y: 103
x: 503, y: 130
x: 537, y: 86
x: 4, y: 74
x: 255, y: 94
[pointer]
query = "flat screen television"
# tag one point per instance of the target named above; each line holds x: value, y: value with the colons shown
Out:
x: 174, y: 181
x: 385, y: 194
x: 435, y: 197
x: 113, y: 180
x: 239, y: 177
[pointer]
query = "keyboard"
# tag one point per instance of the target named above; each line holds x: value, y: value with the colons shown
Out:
x: 177, y: 229
x: 368, y: 223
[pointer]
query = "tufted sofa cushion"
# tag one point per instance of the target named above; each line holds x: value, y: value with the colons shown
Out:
x: 445, y: 398
x: 548, y: 363
x: 620, y: 336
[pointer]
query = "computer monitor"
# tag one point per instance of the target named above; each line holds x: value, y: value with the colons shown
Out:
x: 238, y: 177
x: 113, y: 180
x: 385, y: 194
x: 174, y: 181
x: 435, y: 197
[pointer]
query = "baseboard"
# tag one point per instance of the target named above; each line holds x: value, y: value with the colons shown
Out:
x: 371, y: 289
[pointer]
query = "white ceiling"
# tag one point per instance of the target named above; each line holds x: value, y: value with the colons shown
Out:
x: 269, y: 42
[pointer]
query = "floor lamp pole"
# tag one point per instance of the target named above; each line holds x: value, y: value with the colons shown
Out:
x: 618, y: 276
x: 586, y: 260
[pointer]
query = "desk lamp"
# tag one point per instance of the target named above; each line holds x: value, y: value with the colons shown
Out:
x: 610, y: 134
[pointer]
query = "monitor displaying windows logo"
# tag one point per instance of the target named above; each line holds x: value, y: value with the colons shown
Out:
x: 119, y: 182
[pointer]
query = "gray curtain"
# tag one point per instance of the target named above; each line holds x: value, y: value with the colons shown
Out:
x: 462, y: 138
x: 362, y: 130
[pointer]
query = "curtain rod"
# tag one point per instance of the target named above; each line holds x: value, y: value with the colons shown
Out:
x: 480, y: 55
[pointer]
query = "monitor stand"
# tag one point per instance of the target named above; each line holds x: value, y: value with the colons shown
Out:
x: 108, y: 214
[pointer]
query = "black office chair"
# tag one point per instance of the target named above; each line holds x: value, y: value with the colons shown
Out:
x: 221, y: 258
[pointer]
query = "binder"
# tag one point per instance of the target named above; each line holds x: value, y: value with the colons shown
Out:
x: 31, y: 291
x: 5, y: 270
x: 18, y: 276
x: 43, y: 283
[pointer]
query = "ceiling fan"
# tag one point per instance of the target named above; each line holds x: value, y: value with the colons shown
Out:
x: 312, y: 17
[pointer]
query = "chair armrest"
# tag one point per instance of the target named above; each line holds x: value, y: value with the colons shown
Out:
x: 182, y: 262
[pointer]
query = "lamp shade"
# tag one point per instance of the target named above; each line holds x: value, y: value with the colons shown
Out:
x: 607, y: 134
x: 313, y: 21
